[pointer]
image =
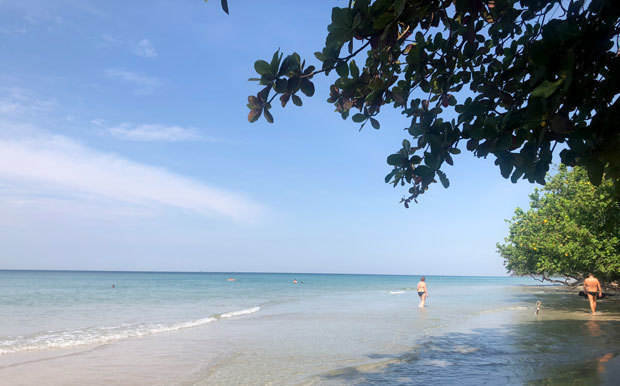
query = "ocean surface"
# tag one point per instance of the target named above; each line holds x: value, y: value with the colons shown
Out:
x: 71, y: 327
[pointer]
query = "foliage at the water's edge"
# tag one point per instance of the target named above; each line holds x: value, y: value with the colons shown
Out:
x: 571, y: 229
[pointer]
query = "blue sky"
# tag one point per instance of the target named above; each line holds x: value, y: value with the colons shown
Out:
x: 124, y: 145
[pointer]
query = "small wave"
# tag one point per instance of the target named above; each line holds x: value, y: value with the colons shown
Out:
x: 396, y: 292
x: 102, y: 335
x: 241, y: 312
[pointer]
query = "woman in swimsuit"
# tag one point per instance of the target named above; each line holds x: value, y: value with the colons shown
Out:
x: 422, y: 291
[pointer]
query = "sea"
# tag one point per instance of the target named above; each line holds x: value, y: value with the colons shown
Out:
x: 172, y: 328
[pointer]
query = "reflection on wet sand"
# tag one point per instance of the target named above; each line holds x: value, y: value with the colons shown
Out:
x: 593, y: 328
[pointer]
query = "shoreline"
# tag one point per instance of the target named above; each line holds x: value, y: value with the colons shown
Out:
x: 330, y: 330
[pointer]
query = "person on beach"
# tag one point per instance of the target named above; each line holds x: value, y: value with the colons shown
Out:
x: 422, y: 291
x: 592, y: 288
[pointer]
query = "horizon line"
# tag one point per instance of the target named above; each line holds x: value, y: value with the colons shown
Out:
x: 241, y: 272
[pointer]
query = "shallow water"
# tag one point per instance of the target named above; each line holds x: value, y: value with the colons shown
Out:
x: 198, y: 328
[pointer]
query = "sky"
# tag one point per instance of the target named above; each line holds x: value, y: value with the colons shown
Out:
x: 125, y: 145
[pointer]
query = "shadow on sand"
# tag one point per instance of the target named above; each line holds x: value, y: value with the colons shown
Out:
x: 541, y: 352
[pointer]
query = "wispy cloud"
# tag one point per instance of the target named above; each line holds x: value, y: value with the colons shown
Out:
x: 60, y: 169
x: 97, y: 122
x: 155, y: 132
x: 110, y: 40
x: 18, y: 101
x: 145, y: 49
x: 146, y: 84
x: 13, y: 30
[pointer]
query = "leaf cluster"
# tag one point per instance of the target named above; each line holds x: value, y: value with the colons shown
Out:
x: 571, y: 229
x: 535, y: 73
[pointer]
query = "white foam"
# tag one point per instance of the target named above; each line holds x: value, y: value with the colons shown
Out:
x: 102, y: 334
x: 516, y: 308
x: 396, y: 292
x: 241, y: 312
x: 465, y: 349
x: 436, y: 362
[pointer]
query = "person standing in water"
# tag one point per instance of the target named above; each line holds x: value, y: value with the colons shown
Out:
x: 592, y: 288
x: 422, y: 291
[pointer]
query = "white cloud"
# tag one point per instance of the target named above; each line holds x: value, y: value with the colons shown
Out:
x: 50, y: 168
x: 155, y: 132
x: 145, y: 49
x: 146, y: 83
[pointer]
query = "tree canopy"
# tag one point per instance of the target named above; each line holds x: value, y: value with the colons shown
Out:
x: 508, y: 78
x: 572, y: 228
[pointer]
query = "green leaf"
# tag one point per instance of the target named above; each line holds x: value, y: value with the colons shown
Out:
x: 472, y: 144
x: 595, y: 169
x: 416, y: 159
x: 381, y: 21
x: 296, y: 100
x: 516, y: 175
x: 416, y: 130
x: 375, y: 124
x: 355, y: 71
x: 396, y: 159
x: 275, y: 62
x: 358, y: 118
x: 430, y: 159
x: 546, y: 88
x: 444, y: 180
x: 505, y: 165
x: 342, y: 69
x: 268, y: 116
x: 293, y: 84
x: 262, y: 67
x: 449, y: 160
x: 341, y: 27
x: 423, y: 171
x: 307, y: 87
x: 225, y: 6
x: 280, y: 86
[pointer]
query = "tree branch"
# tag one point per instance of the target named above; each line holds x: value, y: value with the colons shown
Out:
x: 346, y: 59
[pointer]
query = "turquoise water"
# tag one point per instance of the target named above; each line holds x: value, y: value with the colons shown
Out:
x: 327, y: 329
